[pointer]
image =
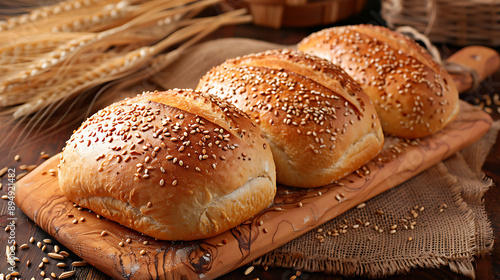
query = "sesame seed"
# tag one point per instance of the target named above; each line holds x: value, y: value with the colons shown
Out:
x: 249, y: 270
x: 79, y: 263
x: 55, y: 256
x: 64, y: 253
x: 174, y: 182
x: 66, y: 274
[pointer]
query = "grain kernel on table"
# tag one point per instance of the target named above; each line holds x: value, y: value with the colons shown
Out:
x: 249, y: 270
x: 66, y: 274
x: 64, y: 253
x: 61, y: 265
x: 55, y: 256
x: 79, y: 263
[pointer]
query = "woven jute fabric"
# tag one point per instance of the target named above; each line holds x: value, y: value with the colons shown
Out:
x: 432, y: 220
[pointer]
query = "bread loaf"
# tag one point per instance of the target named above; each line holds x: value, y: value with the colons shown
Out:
x: 174, y: 165
x: 319, y: 122
x: 414, y: 96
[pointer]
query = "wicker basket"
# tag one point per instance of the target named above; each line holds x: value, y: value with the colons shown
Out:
x: 459, y: 22
x: 278, y: 13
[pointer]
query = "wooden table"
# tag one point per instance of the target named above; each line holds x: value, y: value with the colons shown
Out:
x: 33, y: 146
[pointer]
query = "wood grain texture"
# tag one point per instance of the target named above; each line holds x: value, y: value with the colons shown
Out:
x: 38, y: 195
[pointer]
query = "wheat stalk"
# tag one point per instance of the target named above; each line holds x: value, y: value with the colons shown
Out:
x: 83, y: 45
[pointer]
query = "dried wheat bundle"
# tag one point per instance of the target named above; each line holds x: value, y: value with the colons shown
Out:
x: 59, y: 50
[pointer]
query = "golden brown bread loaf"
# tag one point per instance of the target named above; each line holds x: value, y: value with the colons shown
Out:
x: 175, y: 165
x: 414, y: 95
x: 319, y: 122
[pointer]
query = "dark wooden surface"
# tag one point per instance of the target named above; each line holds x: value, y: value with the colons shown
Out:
x: 18, y: 139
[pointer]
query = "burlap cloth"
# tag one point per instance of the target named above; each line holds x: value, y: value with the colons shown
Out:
x: 434, y: 219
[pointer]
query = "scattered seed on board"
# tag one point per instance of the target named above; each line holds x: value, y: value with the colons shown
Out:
x: 142, y: 252
x: 55, y: 256
x: 24, y: 246
x: 66, y: 274
x: 104, y: 233
x: 3, y: 171
x: 62, y: 265
x: 79, y: 263
x: 17, y: 157
x: 361, y: 205
x: 64, y: 253
x: 249, y: 270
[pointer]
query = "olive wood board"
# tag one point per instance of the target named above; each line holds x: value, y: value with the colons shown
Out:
x: 294, y: 212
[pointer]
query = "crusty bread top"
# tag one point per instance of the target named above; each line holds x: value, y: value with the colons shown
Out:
x: 169, y: 164
x: 413, y: 94
x: 310, y: 110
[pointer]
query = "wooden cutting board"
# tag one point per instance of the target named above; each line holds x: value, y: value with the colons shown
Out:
x: 294, y: 212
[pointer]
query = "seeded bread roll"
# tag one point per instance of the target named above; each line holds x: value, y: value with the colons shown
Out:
x: 319, y: 122
x: 414, y: 96
x: 174, y: 165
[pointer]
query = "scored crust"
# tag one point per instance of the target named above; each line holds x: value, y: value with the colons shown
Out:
x: 414, y: 96
x: 175, y: 165
x: 320, y: 124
